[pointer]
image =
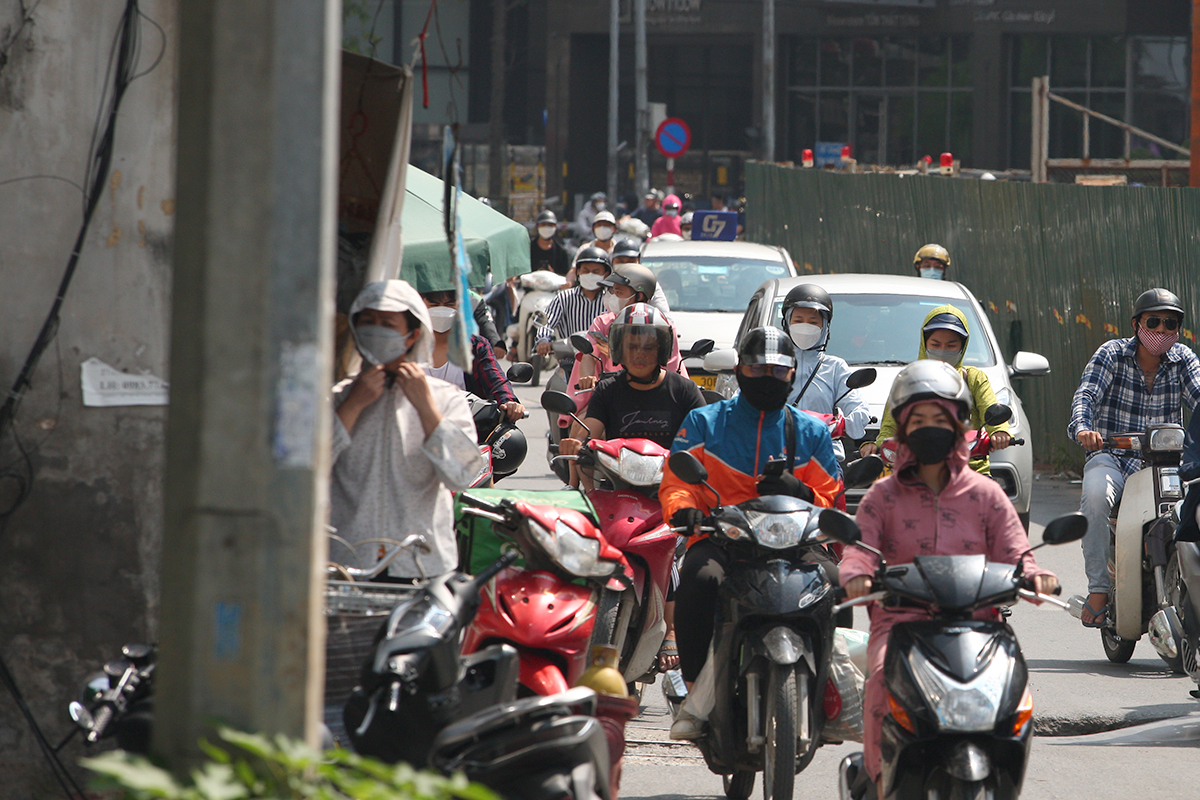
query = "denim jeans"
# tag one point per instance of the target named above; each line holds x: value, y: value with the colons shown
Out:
x: 1103, y: 482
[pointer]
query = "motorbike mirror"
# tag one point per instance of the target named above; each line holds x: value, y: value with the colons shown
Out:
x: 688, y: 468
x: 721, y: 361
x: 520, y: 372
x: 863, y: 471
x: 82, y: 717
x: 699, y: 349
x: 711, y: 396
x: 581, y: 343
x: 861, y: 377
x: 558, y: 402
x: 997, y: 414
x: 1065, y: 529
x: 839, y: 526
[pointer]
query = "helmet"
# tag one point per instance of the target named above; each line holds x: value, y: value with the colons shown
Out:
x: 1156, y: 300
x: 767, y: 345
x: 932, y: 251
x: 686, y: 219
x: 627, y: 248
x: 509, y: 449
x: 605, y: 216
x: 599, y: 196
x: 641, y: 318
x: 946, y: 322
x: 594, y: 255
x: 547, y: 217
x: 674, y: 203
x: 930, y: 380
x: 807, y: 295
x: 635, y: 276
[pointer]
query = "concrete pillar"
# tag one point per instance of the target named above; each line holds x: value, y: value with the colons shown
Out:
x: 990, y: 100
x: 248, y: 433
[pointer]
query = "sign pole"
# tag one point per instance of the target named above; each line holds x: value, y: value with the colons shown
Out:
x: 670, y: 176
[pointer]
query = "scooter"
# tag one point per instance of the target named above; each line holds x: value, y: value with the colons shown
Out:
x: 547, y: 610
x: 961, y: 709
x: 1175, y: 630
x: 1143, y: 535
x: 773, y: 636
x: 627, y: 473
x: 538, y: 289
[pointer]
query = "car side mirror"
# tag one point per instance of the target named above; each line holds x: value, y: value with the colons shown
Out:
x: 520, y: 372
x: 688, y: 468
x: 721, y: 361
x: 861, y: 377
x: 1029, y: 364
x: 997, y: 414
x: 839, y: 526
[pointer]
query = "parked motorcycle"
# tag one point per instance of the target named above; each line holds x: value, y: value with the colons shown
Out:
x: 961, y: 708
x: 773, y: 637
x: 1143, y: 540
x: 538, y: 289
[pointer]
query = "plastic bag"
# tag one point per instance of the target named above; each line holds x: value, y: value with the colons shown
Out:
x: 846, y: 686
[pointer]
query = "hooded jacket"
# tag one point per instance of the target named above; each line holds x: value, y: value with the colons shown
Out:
x: 826, y: 386
x: 389, y: 479
x: 982, y: 395
x: 667, y: 223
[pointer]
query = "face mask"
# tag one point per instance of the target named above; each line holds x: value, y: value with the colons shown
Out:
x: 1157, y: 342
x: 949, y: 356
x: 380, y: 345
x: 805, y: 335
x: 590, y: 282
x: 671, y: 212
x: 932, y: 272
x: 604, y: 233
x: 442, y: 318
x: 613, y: 303
x: 546, y: 231
x: 600, y: 204
x: 931, y: 445
x: 765, y: 393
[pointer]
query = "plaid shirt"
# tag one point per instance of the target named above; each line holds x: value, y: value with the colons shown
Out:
x: 487, y: 380
x: 1112, y: 396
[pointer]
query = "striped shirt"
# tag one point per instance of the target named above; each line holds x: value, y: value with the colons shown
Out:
x: 570, y: 312
x: 1112, y: 396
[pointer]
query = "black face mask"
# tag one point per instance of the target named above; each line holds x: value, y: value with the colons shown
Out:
x: 765, y: 393
x: 931, y: 445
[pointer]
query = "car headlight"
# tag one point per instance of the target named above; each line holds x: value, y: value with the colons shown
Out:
x: 579, y: 554
x: 778, y: 531
x: 640, y: 470
x: 1165, y: 440
x: 965, y: 707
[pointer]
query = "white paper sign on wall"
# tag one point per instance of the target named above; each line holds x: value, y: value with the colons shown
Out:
x: 107, y: 386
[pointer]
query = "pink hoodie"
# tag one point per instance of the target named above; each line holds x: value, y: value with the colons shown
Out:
x: 668, y: 224
x: 902, y: 517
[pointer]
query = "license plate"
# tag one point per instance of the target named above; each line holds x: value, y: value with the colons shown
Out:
x: 705, y: 381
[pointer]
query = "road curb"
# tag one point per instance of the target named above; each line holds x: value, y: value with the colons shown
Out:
x: 1052, y: 726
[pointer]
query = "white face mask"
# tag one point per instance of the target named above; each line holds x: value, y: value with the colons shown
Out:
x: 613, y: 303
x: 442, y: 318
x: 546, y: 231
x: 932, y: 272
x: 604, y: 232
x: 600, y: 204
x: 380, y: 345
x: 671, y: 212
x: 805, y: 335
x: 589, y: 281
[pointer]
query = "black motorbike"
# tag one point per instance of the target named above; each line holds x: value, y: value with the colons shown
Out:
x: 772, y: 637
x: 961, y: 710
x: 1175, y: 629
x: 501, y: 443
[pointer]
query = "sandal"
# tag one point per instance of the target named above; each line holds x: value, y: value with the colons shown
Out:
x: 669, y: 650
x: 1099, y: 618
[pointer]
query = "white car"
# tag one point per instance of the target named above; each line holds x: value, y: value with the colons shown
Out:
x: 877, y: 322
x: 708, y: 284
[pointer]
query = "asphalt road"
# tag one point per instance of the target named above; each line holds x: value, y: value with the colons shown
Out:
x: 1102, y: 730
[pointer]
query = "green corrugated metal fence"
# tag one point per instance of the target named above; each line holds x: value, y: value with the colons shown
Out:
x: 1056, y: 267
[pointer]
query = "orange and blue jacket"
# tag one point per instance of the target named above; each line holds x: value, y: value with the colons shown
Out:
x: 734, y: 441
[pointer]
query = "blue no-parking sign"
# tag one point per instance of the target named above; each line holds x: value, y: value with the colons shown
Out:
x: 673, y: 137
x: 715, y: 225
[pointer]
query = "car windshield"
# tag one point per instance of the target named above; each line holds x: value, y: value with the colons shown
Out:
x: 711, y: 283
x: 883, y: 328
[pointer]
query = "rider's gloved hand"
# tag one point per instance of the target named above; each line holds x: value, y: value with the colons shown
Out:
x: 689, y: 519
x: 786, y: 483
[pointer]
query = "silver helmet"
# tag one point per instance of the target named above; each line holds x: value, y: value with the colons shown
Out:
x: 930, y: 380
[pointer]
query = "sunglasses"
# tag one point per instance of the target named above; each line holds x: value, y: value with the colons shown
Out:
x: 777, y: 371
x: 1170, y: 323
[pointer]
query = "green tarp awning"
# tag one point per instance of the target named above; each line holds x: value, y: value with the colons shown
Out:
x: 491, y: 238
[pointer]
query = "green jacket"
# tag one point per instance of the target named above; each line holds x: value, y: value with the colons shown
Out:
x: 977, y: 380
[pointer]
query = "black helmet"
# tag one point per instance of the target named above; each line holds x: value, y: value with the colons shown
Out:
x: 594, y: 255
x: 766, y: 346
x: 929, y: 380
x: 509, y: 449
x: 635, y: 276
x: 547, y: 217
x: 807, y: 295
x: 1156, y: 300
x: 627, y: 248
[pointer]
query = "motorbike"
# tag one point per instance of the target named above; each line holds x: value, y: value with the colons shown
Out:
x: 538, y: 289
x: 979, y: 439
x: 961, y: 709
x: 627, y: 473
x: 773, y: 636
x: 546, y: 610
x: 835, y: 421
x: 1175, y: 630
x: 501, y: 443
x: 1143, y: 543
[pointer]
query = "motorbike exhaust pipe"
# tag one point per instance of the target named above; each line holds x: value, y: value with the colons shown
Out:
x: 1166, y: 632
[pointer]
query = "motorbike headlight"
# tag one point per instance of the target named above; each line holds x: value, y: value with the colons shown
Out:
x: 1165, y: 440
x: 544, y: 539
x: 731, y: 531
x: 640, y: 470
x: 421, y: 614
x: 608, y: 462
x: 778, y: 531
x: 580, y: 555
x: 963, y: 707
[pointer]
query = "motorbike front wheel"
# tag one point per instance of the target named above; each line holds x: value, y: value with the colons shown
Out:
x: 739, y: 785
x: 782, y: 722
x: 956, y: 789
x: 1118, y: 650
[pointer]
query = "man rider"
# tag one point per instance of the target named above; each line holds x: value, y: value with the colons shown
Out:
x: 649, y: 210
x: 545, y: 251
x: 1128, y: 385
x: 820, y: 377
x: 587, y: 215
x: 931, y: 261
x: 573, y: 310
x: 734, y: 440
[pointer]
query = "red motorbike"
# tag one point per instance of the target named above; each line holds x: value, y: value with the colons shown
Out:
x: 981, y: 440
x: 542, y: 609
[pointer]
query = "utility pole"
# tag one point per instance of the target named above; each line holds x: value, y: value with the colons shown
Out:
x: 614, y: 88
x: 1194, y: 149
x: 768, y: 99
x: 242, y: 631
x: 496, y: 105
x: 643, y: 105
